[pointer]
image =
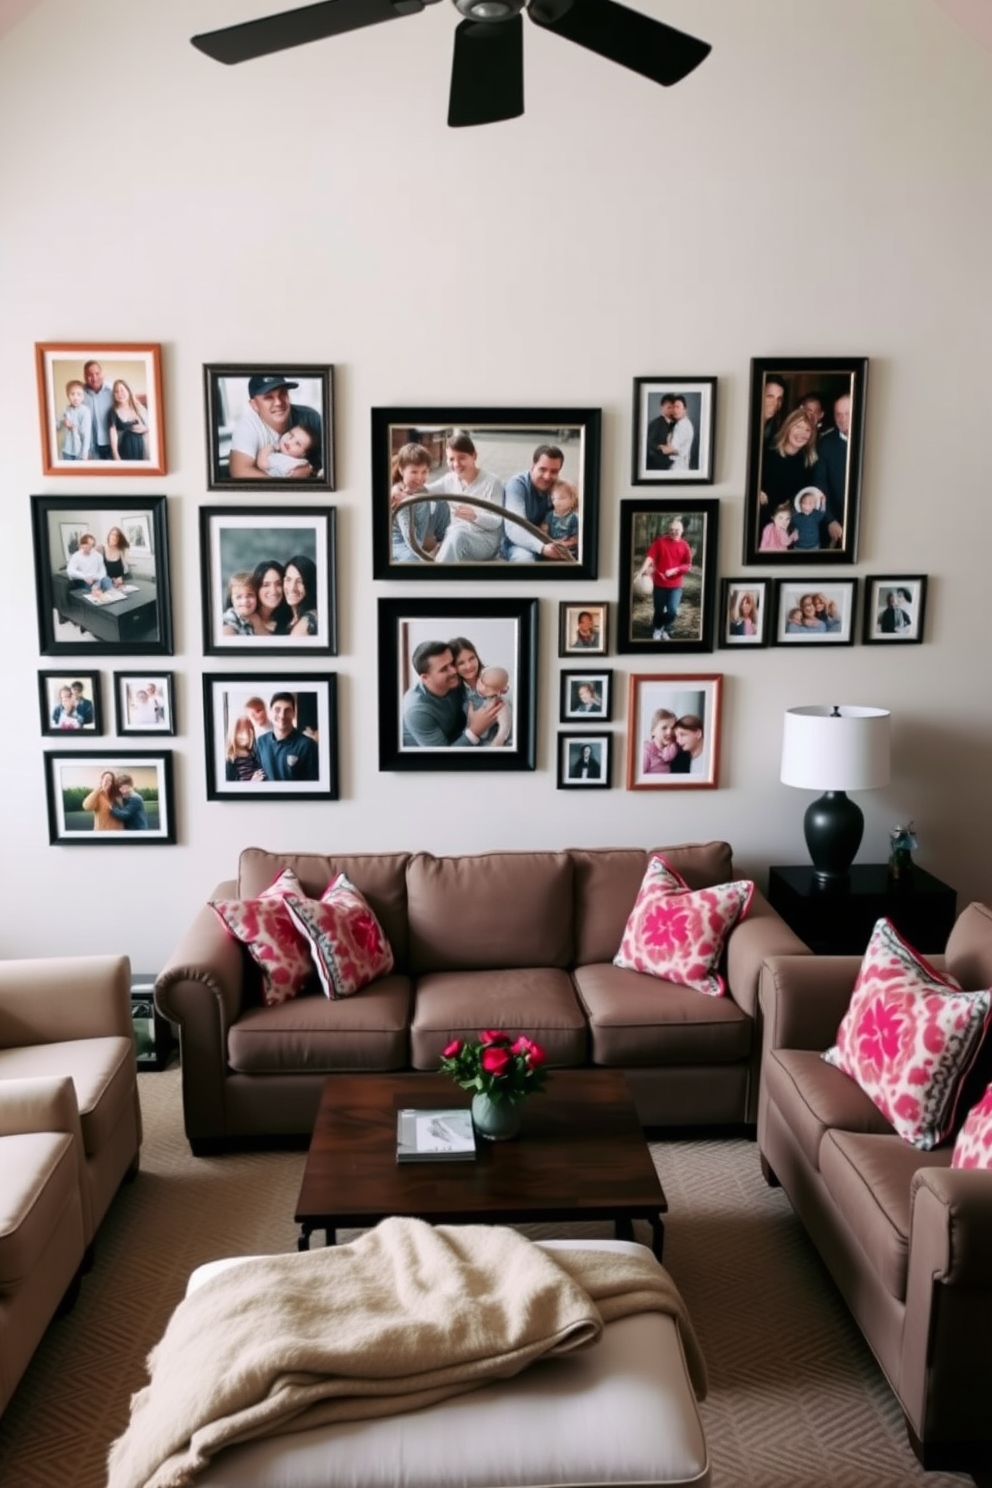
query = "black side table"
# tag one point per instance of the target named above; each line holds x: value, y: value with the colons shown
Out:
x: 837, y: 920
x: 153, y: 1040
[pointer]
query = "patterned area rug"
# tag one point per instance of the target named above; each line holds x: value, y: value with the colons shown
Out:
x: 795, y: 1396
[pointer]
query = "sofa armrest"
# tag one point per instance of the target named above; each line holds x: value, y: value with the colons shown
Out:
x: 951, y: 1222
x: 762, y: 933
x: 51, y: 999
x: 803, y: 999
x: 39, y: 1104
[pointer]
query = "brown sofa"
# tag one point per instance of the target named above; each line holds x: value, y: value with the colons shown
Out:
x: 523, y: 941
x: 907, y: 1239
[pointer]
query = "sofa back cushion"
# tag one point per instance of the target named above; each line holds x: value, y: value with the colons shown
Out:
x: 494, y: 910
x: 381, y: 877
x: 607, y: 881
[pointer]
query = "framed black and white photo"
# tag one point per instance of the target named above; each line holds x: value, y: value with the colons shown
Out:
x: 894, y: 609
x: 805, y: 447
x: 271, y: 737
x: 446, y: 480
x: 584, y: 761
x: 268, y: 580
x: 270, y: 427
x: 109, y: 798
x: 668, y: 551
x: 143, y: 703
x: 457, y: 684
x: 673, y: 731
x: 814, y: 612
x: 101, y: 408
x: 70, y: 703
x: 744, y: 612
x: 586, y: 697
x: 583, y: 629
x: 102, y: 573
x: 674, y: 428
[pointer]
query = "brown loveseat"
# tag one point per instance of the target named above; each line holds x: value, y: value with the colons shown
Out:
x: 907, y: 1239
x: 520, y: 940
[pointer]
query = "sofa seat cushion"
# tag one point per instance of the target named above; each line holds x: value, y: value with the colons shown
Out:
x: 869, y: 1178
x: 40, y: 1181
x: 102, y: 1071
x: 814, y: 1097
x: 472, y: 913
x: 316, y: 1034
x: 537, y: 1001
x: 638, y: 1020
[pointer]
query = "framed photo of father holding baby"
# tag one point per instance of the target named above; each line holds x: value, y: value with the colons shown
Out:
x: 805, y: 450
x: 101, y: 408
x: 270, y: 427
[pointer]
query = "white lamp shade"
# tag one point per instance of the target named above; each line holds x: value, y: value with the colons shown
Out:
x: 836, y: 748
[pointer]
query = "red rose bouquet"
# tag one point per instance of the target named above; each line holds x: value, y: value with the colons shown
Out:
x: 499, y: 1066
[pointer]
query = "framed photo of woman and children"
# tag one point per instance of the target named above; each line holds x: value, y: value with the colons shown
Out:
x: 446, y: 483
x: 101, y: 408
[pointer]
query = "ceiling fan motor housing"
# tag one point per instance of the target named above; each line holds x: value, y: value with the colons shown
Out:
x: 489, y: 10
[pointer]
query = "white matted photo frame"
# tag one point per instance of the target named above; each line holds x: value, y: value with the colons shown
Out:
x: 109, y: 798
x: 673, y: 731
x: 270, y: 427
x: 70, y: 703
x: 894, y: 609
x: 814, y: 612
x: 674, y: 431
x: 100, y: 405
x: 270, y: 737
x: 586, y: 697
x: 584, y: 761
x: 144, y: 703
x: 744, y: 606
x: 583, y: 629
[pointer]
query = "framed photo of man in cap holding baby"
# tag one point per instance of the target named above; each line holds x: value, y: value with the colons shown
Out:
x: 270, y: 427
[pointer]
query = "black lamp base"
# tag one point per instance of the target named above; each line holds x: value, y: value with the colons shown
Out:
x: 834, y: 826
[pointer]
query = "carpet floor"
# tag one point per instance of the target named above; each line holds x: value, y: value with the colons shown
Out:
x: 795, y: 1398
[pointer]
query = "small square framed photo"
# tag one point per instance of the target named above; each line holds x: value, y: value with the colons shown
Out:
x: 586, y: 697
x: 584, y: 761
x: 271, y: 737
x: 583, y: 629
x: 894, y: 609
x: 814, y: 612
x: 143, y: 703
x: 270, y: 427
x: 70, y: 703
x: 673, y: 731
x: 744, y: 612
x: 668, y: 554
x: 109, y: 798
x: 101, y: 408
x: 674, y: 429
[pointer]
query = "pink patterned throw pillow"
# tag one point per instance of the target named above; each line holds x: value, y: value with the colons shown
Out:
x: 347, y: 941
x: 973, y: 1148
x: 264, y: 927
x: 909, y: 1037
x: 677, y: 933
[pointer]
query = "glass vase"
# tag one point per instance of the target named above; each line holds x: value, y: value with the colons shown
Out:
x: 496, y: 1121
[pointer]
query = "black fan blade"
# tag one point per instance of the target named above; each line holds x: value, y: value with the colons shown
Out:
x: 296, y: 27
x: 487, y: 72
x: 622, y: 35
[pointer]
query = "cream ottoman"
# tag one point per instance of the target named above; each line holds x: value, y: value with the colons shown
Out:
x: 621, y: 1412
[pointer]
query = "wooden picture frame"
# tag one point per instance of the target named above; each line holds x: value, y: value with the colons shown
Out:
x: 250, y: 408
x: 144, y: 703
x: 674, y: 431
x: 79, y: 394
x: 292, y: 752
x: 673, y: 731
x: 109, y: 798
x: 894, y: 610
x: 646, y: 618
x: 71, y: 704
x: 744, y: 617
x: 815, y: 612
x: 586, y: 696
x: 584, y: 761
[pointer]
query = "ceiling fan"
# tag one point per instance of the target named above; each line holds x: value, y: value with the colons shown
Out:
x: 487, y: 75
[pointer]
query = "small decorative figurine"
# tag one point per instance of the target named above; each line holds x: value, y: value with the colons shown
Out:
x: 902, y: 845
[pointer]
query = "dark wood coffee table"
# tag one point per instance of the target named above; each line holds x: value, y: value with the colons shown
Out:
x: 581, y: 1155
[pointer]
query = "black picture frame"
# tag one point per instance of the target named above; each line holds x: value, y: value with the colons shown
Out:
x: 144, y: 703
x: 835, y: 472
x: 243, y: 539
x: 71, y: 621
x: 81, y: 715
x: 908, y: 602
x: 836, y: 613
x: 227, y: 398
x: 586, y: 696
x: 744, y: 612
x: 75, y: 776
x: 583, y: 629
x: 506, y: 441
x: 311, y: 772
x: 595, y: 751
x: 687, y: 462
x: 642, y: 521
x: 501, y: 632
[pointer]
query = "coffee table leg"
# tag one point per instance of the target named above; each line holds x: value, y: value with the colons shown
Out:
x: 623, y: 1227
x: 303, y: 1239
x: 658, y: 1235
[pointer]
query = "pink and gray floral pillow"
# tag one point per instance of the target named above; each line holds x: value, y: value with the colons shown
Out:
x: 264, y: 927
x: 973, y: 1148
x: 909, y: 1037
x: 677, y: 933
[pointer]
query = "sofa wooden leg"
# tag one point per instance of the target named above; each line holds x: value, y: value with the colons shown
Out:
x: 767, y: 1172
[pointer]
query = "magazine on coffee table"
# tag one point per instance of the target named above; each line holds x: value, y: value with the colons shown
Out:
x: 436, y: 1135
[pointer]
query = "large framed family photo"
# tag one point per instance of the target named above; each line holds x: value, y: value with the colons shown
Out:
x: 270, y: 427
x: 805, y: 451
x: 673, y: 731
x: 110, y: 798
x: 271, y: 737
x: 268, y: 580
x: 457, y: 684
x: 445, y: 482
x: 674, y: 428
x: 100, y: 405
x: 668, y: 552
x: 102, y: 575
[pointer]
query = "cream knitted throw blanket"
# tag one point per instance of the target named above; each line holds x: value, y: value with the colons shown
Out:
x: 405, y: 1316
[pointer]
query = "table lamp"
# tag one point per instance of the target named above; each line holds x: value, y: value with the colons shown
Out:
x: 835, y: 750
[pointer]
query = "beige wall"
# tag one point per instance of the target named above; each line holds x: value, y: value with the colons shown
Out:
x: 821, y: 186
